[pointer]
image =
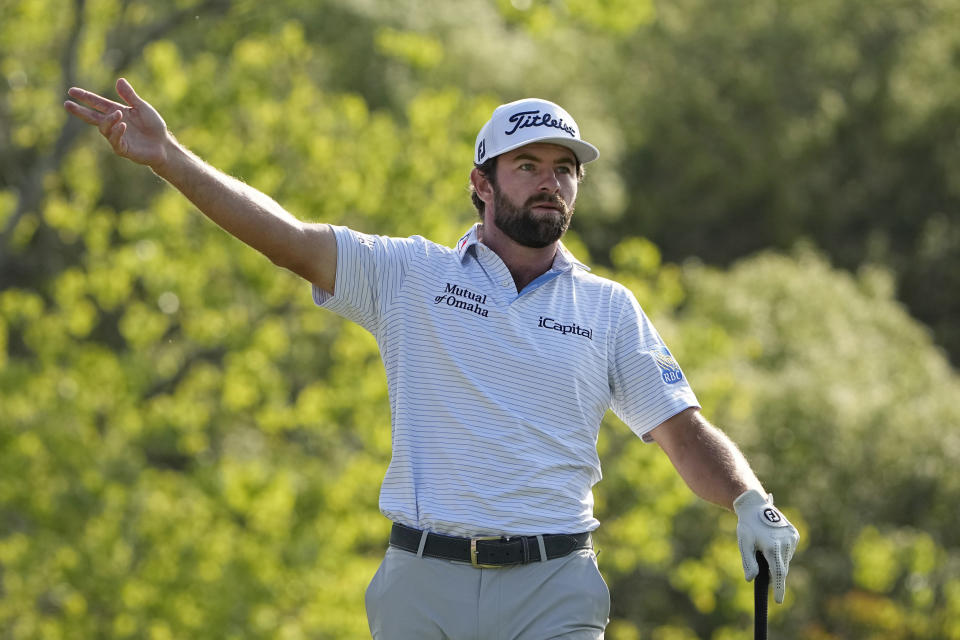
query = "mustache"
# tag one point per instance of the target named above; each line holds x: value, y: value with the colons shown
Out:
x: 546, y: 198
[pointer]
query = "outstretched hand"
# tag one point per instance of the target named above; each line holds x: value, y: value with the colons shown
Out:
x: 135, y: 130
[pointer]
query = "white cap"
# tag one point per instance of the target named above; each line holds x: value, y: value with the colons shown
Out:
x: 522, y: 122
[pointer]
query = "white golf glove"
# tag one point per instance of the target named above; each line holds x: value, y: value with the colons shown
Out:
x: 761, y: 527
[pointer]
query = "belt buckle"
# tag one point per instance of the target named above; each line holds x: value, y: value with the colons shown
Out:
x: 474, y: 553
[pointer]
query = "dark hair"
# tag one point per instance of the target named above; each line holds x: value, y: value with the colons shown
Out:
x: 489, y: 170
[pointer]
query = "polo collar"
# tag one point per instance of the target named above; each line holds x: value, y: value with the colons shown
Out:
x: 467, y: 240
x: 562, y: 261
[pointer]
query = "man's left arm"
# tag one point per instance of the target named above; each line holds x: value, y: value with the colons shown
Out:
x: 715, y: 469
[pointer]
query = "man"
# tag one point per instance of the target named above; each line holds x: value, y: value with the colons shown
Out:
x: 502, y: 356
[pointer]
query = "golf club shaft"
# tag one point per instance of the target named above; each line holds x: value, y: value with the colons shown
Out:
x: 761, y: 586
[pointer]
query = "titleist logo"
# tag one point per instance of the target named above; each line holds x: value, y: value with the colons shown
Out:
x: 524, y: 119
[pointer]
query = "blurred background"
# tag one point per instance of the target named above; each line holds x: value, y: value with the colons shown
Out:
x: 190, y: 449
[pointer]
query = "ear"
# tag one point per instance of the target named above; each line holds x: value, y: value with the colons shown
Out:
x: 482, y: 186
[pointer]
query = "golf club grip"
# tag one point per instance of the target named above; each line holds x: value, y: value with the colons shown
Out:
x: 761, y: 586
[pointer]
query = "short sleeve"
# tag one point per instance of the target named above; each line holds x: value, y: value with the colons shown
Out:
x: 647, y: 385
x: 370, y: 271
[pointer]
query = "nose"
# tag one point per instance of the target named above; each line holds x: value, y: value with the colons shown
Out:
x: 549, y: 183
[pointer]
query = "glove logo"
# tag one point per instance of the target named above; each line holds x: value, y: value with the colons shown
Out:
x: 773, y: 518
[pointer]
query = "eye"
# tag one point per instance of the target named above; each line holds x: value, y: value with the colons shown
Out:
x: 564, y: 169
x: 526, y: 166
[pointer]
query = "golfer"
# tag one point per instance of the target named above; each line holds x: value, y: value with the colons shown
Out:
x: 502, y: 355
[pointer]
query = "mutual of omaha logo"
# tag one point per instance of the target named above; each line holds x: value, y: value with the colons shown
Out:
x: 460, y: 298
x: 566, y: 329
x: 669, y: 369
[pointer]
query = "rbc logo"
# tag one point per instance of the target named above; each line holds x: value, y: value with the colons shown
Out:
x: 669, y: 369
x: 672, y: 376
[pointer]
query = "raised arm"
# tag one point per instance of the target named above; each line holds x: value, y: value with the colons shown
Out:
x: 136, y: 131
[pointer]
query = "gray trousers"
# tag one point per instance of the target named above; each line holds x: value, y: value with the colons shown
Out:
x: 420, y: 598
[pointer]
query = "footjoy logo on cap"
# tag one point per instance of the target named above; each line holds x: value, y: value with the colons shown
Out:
x: 524, y: 122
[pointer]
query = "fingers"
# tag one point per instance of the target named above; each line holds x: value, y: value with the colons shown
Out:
x: 110, y: 125
x: 779, y: 562
x: 99, y: 111
x: 785, y: 554
x: 87, y: 115
x: 750, y: 566
x: 125, y: 90
x: 779, y: 579
x: 92, y: 100
x: 108, y: 122
x: 116, y: 138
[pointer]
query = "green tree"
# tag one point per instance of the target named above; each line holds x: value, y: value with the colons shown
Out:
x: 761, y: 123
x: 845, y: 409
x: 180, y: 428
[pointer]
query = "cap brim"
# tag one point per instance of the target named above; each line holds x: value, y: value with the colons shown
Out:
x: 584, y: 151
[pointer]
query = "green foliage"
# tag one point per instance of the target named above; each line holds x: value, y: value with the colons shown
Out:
x: 843, y: 406
x: 754, y: 125
x: 189, y: 448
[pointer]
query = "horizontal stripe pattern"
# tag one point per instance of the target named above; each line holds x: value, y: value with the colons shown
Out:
x: 496, y: 397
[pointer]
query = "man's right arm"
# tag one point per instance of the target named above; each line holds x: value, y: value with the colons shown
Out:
x: 309, y: 250
x: 137, y: 132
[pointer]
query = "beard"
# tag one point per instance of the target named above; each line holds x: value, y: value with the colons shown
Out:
x: 529, y: 229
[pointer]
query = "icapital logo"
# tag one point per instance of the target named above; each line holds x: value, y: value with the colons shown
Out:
x: 565, y: 329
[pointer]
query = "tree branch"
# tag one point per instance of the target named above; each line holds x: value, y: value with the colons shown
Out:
x: 159, y: 29
x: 31, y: 189
x: 31, y: 193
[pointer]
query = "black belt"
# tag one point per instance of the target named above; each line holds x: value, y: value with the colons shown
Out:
x: 489, y: 552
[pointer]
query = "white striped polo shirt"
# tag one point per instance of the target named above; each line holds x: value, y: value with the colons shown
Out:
x: 496, y: 397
